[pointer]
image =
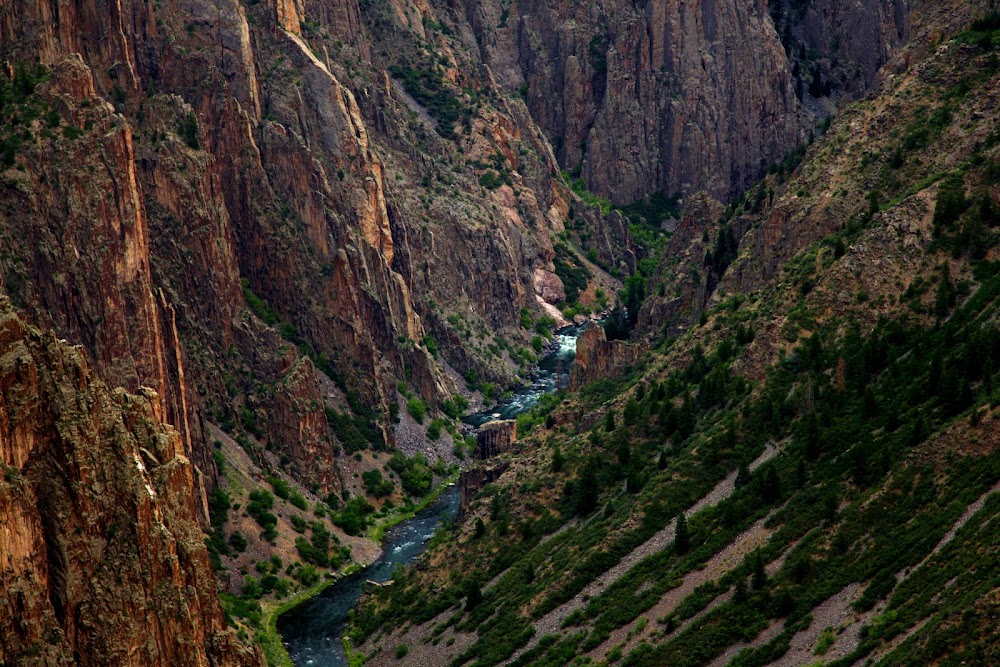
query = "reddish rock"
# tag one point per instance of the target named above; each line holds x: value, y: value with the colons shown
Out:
x: 104, y: 561
x: 597, y: 357
x: 296, y: 422
x: 549, y: 286
x: 495, y: 438
x: 473, y: 480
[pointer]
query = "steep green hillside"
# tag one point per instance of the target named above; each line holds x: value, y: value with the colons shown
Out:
x: 807, y: 472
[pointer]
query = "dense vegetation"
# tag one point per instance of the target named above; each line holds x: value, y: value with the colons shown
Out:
x: 19, y: 107
x: 427, y: 87
x: 848, y: 442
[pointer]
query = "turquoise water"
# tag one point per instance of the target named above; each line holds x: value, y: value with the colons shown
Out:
x: 312, y: 631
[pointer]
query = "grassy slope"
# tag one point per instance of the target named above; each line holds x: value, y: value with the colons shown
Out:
x: 872, y: 366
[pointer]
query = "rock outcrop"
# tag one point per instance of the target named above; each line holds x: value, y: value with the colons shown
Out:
x: 495, y: 438
x: 298, y: 424
x: 102, y: 559
x: 681, y: 97
x: 473, y: 480
x: 492, y: 439
x: 598, y: 357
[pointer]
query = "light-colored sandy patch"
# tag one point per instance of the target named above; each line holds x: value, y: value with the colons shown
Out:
x: 725, y: 560
x: 552, y: 621
x: 421, y: 651
x: 834, y: 613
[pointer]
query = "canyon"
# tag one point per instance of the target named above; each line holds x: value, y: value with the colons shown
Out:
x: 283, y: 246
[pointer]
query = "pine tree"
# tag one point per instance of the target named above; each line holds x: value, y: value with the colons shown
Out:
x: 759, y: 579
x: 950, y: 205
x: 830, y: 508
x: 685, y: 420
x: 623, y: 449
x: 740, y: 595
x: 770, y: 485
x: 801, y: 474
x: 188, y: 129
x: 663, y: 460
x: 944, y: 297
x: 919, y: 429
x: 558, y: 460
x: 682, y: 541
x: 743, y: 475
x: 473, y: 594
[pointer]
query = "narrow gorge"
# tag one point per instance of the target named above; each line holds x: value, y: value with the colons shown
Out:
x: 632, y: 333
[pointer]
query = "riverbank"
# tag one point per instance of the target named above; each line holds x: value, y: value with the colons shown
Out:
x: 317, y: 631
x: 268, y: 636
x: 377, y: 532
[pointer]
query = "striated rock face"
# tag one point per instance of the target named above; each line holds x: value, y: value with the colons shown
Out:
x: 240, y: 207
x: 827, y: 192
x: 675, y: 96
x: 173, y: 170
x: 78, y: 255
x: 102, y: 560
x: 297, y: 422
x: 686, y: 284
x: 598, y: 357
x: 855, y: 39
x: 472, y: 481
x: 494, y: 438
x: 549, y: 287
x: 664, y: 95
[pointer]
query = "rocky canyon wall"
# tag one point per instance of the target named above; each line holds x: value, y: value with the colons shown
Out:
x: 680, y: 97
x: 103, y: 558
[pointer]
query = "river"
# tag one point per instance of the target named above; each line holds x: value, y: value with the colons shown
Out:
x: 312, y: 631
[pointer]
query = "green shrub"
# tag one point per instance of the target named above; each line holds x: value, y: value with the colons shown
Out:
x: 188, y: 130
x: 298, y: 500
x: 355, y: 431
x: 951, y: 203
x: 261, y: 502
x: 428, y: 87
x: 825, y: 641
x: 455, y: 406
x: 490, y: 180
x: 417, y: 409
x: 574, y: 276
x: 279, y: 486
x: 238, y: 541
x: 377, y: 485
x: 354, y: 517
x: 257, y: 305
x: 414, y: 473
x: 430, y: 344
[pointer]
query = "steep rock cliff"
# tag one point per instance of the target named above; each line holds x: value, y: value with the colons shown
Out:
x: 598, y: 357
x: 719, y: 251
x: 680, y: 97
x: 251, y: 210
x: 103, y: 558
x: 495, y: 438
